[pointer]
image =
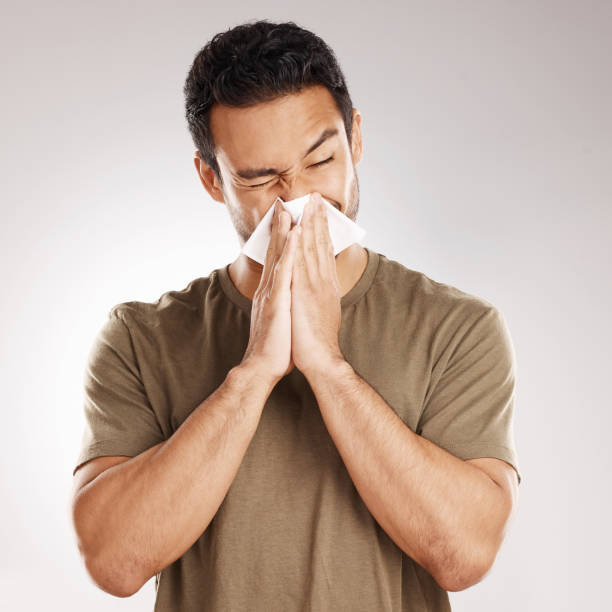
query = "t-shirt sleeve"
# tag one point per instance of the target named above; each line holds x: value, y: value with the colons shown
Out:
x: 119, y: 419
x: 469, y: 410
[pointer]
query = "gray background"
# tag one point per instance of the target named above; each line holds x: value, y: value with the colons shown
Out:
x: 487, y: 137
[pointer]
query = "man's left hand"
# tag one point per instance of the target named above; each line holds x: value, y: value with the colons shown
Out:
x: 316, y: 315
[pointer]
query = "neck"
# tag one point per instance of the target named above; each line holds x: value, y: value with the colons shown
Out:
x: 350, y: 265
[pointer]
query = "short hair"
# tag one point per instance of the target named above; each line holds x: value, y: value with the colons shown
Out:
x: 253, y: 63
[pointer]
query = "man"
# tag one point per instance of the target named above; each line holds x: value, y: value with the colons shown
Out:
x: 317, y: 433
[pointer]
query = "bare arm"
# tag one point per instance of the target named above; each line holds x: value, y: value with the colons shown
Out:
x: 137, y: 517
x: 446, y: 514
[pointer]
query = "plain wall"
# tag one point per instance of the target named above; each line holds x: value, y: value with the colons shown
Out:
x: 487, y: 157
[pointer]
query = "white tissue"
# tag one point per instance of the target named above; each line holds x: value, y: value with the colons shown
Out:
x: 342, y: 230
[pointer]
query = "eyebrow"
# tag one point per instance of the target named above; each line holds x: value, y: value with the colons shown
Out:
x: 251, y: 173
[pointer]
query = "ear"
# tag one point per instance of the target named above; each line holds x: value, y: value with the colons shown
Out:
x: 208, y: 178
x: 356, y: 140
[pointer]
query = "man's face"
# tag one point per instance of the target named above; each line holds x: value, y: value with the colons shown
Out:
x: 287, y: 147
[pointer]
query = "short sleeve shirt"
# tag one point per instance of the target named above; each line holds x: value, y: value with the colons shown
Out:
x: 293, y: 533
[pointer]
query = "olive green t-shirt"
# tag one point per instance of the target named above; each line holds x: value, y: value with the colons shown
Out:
x: 292, y: 533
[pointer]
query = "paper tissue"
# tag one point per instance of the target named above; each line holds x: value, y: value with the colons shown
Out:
x: 342, y: 230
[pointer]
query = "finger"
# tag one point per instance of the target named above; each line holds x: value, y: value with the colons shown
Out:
x: 284, y: 268
x: 309, y: 247
x: 298, y: 259
x: 322, y: 239
x: 281, y: 234
x: 270, y: 249
x: 274, y: 246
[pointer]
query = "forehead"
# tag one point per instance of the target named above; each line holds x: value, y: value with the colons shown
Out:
x: 273, y: 132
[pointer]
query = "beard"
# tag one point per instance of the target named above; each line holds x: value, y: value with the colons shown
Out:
x: 352, y: 207
x: 244, y: 229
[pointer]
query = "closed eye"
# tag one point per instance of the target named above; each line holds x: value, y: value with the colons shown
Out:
x: 325, y: 161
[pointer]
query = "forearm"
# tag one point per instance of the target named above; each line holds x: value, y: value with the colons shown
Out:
x: 141, y: 515
x: 441, y: 511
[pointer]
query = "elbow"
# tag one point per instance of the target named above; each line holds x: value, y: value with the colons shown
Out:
x: 102, y: 566
x: 456, y: 583
x: 107, y: 574
x: 458, y: 568
x: 464, y: 576
x: 111, y: 578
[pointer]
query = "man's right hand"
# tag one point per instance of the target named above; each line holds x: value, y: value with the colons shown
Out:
x: 270, y: 334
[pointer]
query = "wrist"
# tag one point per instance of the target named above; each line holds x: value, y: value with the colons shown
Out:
x: 332, y: 366
x: 252, y: 374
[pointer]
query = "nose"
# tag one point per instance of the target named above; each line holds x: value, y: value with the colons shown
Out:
x: 290, y: 188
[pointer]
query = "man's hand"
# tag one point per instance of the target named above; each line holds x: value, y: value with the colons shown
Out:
x: 270, y: 334
x: 316, y: 315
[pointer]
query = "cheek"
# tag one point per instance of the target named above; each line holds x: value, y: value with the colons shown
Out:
x: 335, y: 176
x: 339, y: 180
x: 250, y: 207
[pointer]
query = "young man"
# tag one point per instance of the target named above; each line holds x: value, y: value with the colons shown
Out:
x: 321, y: 432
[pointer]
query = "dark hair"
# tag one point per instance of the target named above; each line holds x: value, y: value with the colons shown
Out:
x: 253, y: 63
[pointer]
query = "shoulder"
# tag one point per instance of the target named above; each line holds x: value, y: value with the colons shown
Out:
x: 175, y: 308
x: 435, y: 303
